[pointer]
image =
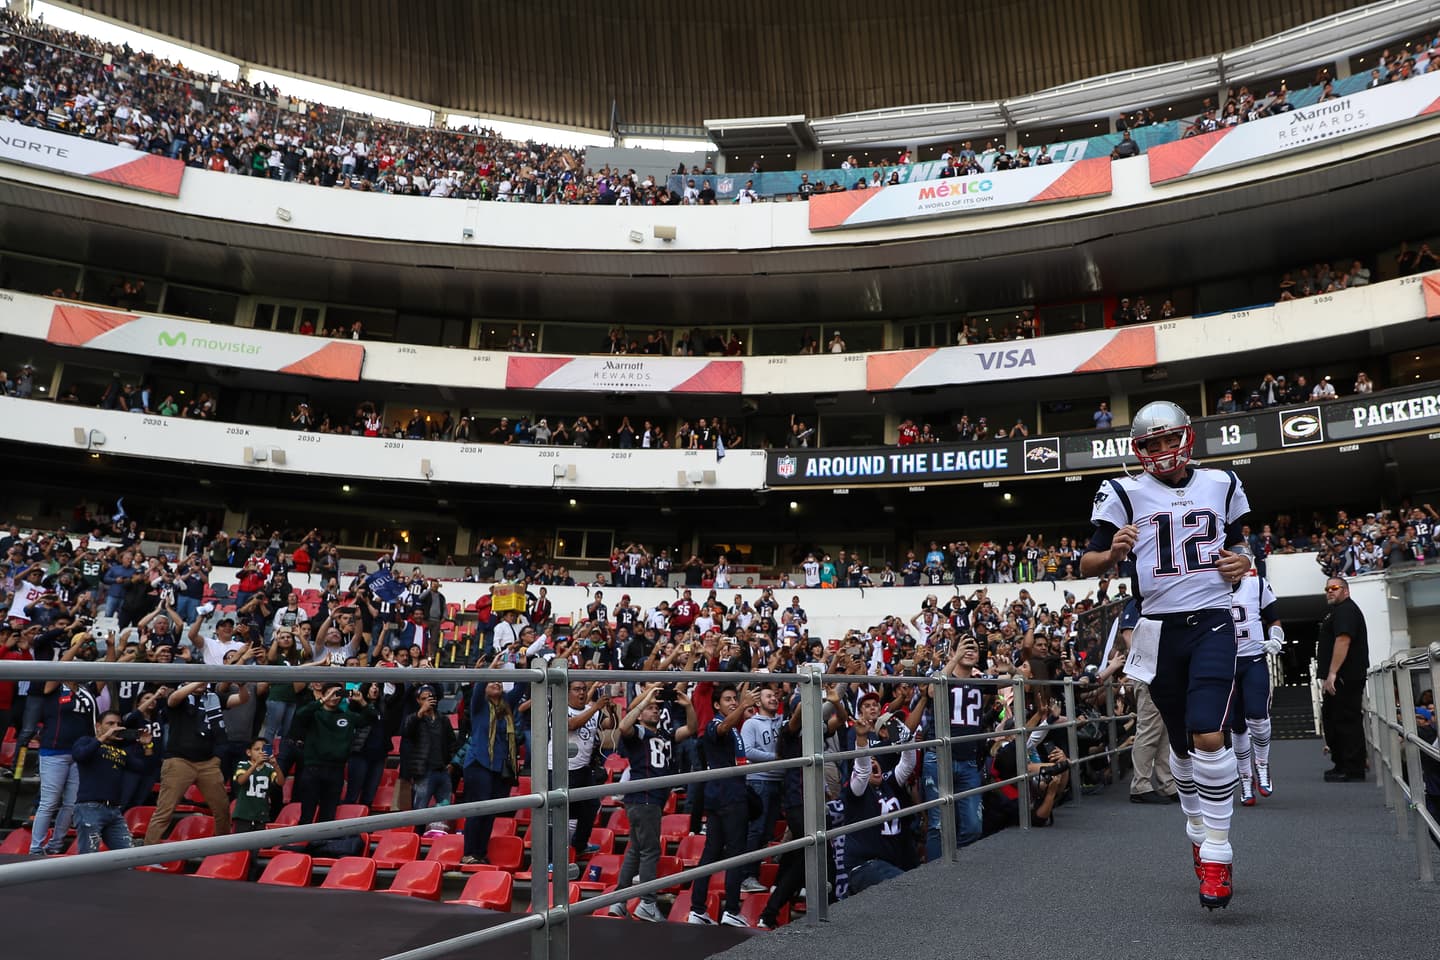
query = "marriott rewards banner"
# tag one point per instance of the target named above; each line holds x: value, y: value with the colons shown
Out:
x: 167, y: 338
x: 1299, y: 129
x: 625, y: 374
x: 1088, y: 352
x: 48, y: 150
x: 960, y: 195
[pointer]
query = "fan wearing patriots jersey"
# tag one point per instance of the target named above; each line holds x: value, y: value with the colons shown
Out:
x: 1253, y: 606
x: 649, y: 746
x: 877, y: 853
x: 1181, y: 526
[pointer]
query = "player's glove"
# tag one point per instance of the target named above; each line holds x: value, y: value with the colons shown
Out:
x: 1276, y: 641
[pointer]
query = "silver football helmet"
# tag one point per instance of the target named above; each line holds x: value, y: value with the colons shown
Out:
x: 1158, y: 420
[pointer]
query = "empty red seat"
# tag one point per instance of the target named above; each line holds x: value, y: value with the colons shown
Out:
x: 491, y: 889
x: 16, y: 843
x: 669, y: 866
x: 616, y: 764
x: 289, y: 815
x: 288, y: 870
x: 420, y: 879
x: 138, y: 820
x: 396, y: 849
x: 350, y: 811
x: 690, y: 849
x: 620, y: 823
x: 385, y: 796
x: 507, y: 853
x: 195, y: 827
x: 503, y: 827
x: 350, y: 873
x: 226, y: 866
x: 574, y: 896
x: 447, y: 850
x: 752, y: 906
x: 674, y: 827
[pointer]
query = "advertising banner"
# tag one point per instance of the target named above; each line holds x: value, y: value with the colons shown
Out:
x: 961, y: 195
x: 1395, y: 411
x: 1087, y: 352
x: 625, y: 374
x: 48, y: 150
x: 1300, y: 129
x: 914, y: 464
x: 166, y: 338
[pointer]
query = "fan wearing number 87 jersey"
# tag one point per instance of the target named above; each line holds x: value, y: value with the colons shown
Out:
x: 649, y: 747
x: 1181, y: 527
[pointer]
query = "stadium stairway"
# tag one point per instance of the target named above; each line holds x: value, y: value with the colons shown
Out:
x: 1319, y: 874
x: 1292, y: 712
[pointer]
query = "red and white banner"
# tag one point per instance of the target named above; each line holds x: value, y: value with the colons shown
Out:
x: 960, y: 195
x: 625, y: 374
x: 1299, y: 129
x: 48, y: 150
x: 1087, y: 352
x: 166, y: 338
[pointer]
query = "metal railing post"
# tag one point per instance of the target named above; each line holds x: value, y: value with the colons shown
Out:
x: 1072, y: 741
x: 1022, y: 755
x: 1394, y: 746
x: 1378, y: 730
x: 812, y: 742
x: 945, y: 771
x: 557, y: 678
x: 1416, y: 774
x: 1111, y: 739
x: 541, y: 697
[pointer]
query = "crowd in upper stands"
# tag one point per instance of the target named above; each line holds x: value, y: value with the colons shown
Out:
x: 72, y: 83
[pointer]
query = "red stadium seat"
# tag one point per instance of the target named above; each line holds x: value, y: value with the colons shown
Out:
x: 287, y: 870
x: 620, y: 823
x: 674, y: 827
x: 601, y: 873
x: 667, y: 867
x: 690, y: 849
x: 507, y: 853
x: 503, y: 827
x: 574, y: 896
x: 385, y: 795
x: 491, y: 889
x: 195, y: 827
x: 680, y: 909
x: 330, y: 861
x: 289, y: 816
x: 350, y: 811
x: 447, y: 850
x: 420, y: 879
x: 752, y: 906
x: 396, y: 849
x: 16, y: 843
x: 350, y: 873
x: 604, y: 838
x: 616, y: 764
x: 226, y: 866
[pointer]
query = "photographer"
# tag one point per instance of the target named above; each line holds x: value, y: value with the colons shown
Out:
x: 591, y: 711
x: 103, y: 761
x: 431, y: 742
x: 877, y: 853
x: 964, y: 714
x: 324, y: 731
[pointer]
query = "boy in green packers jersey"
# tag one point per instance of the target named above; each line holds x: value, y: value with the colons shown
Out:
x: 254, y: 776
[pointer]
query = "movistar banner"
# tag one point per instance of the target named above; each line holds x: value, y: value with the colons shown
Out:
x: 96, y: 328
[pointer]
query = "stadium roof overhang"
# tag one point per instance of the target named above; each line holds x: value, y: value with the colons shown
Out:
x: 756, y: 132
x: 1365, y: 203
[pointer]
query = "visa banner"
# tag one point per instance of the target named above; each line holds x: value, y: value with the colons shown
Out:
x: 954, y: 196
x: 1088, y: 352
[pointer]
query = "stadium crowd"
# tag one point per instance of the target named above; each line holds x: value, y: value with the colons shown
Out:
x: 328, y: 743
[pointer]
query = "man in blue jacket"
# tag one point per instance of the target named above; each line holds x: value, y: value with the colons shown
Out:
x: 117, y: 577
x: 102, y: 761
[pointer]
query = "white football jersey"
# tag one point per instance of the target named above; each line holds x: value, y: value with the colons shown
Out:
x: 1252, y: 594
x: 1182, y: 530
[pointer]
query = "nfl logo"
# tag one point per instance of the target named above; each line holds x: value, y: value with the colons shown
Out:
x: 785, y: 467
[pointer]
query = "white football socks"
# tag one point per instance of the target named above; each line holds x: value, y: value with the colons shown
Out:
x: 1214, y: 773
x: 1242, y: 755
x: 1183, y: 772
x: 1260, y: 738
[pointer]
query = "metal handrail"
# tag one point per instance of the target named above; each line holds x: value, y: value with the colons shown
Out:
x: 547, y: 923
x: 1397, y: 752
